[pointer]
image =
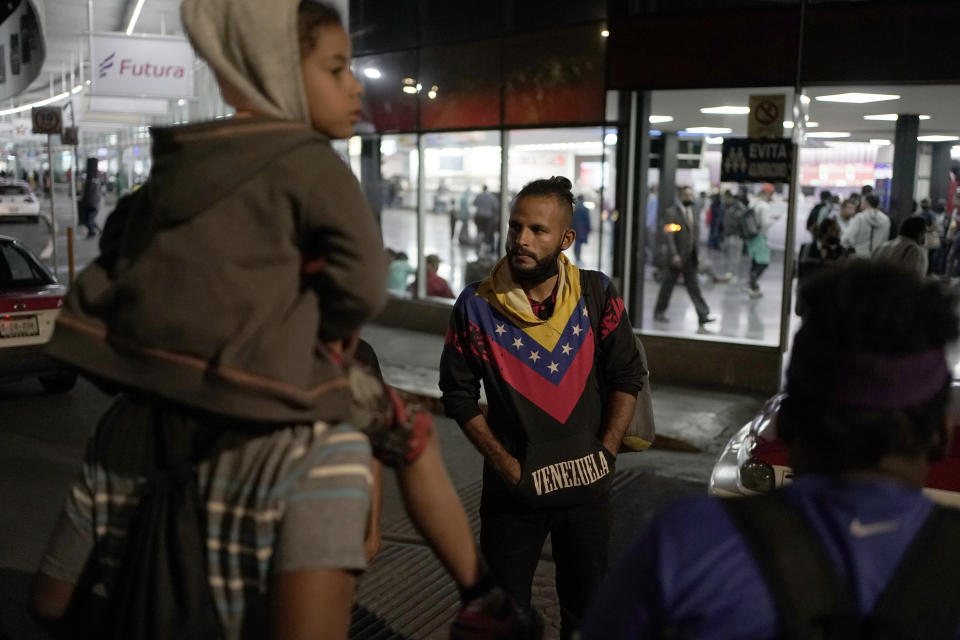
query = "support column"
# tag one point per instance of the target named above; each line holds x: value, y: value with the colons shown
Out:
x: 940, y: 173
x: 905, y: 151
x: 634, y: 166
x: 667, y: 187
x: 370, y: 177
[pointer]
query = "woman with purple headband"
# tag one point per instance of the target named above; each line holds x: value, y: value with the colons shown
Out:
x: 852, y: 548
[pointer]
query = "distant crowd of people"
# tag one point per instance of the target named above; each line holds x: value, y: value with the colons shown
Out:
x: 925, y: 243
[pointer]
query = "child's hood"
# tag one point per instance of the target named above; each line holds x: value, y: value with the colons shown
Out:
x: 253, y: 46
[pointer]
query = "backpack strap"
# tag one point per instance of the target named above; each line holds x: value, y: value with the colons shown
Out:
x: 811, y: 599
x: 591, y: 286
x: 922, y: 599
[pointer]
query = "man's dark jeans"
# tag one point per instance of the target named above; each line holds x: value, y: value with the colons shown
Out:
x: 512, y: 537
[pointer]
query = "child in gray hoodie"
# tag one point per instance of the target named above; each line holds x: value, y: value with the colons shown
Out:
x: 224, y: 309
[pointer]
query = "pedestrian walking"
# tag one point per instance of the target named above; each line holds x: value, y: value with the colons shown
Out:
x: 758, y: 219
x: 681, y: 231
x: 486, y: 207
x: 89, y: 204
x: 581, y: 226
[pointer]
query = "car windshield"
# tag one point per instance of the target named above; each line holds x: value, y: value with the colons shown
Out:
x: 13, y: 190
x: 18, y: 269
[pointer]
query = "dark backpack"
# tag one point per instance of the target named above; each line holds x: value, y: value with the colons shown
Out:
x: 749, y: 224
x: 921, y: 601
x: 161, y: 589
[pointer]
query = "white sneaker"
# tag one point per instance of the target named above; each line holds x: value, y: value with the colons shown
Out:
x: 755, y: 293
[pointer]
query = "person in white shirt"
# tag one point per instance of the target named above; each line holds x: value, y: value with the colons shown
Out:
x: 868, y: 230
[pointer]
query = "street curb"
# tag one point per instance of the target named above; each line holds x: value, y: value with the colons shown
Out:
x: 432, y: 404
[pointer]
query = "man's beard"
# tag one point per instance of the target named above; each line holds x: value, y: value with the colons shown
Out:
x: 532, y: 276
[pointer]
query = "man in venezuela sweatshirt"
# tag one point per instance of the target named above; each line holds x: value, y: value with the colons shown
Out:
x: 556, y: 355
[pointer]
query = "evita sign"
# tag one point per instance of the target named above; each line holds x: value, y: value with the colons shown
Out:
x: 141, y: 66
x: 757, y: 160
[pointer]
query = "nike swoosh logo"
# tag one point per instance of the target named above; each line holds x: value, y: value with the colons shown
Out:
x: 860, y: 530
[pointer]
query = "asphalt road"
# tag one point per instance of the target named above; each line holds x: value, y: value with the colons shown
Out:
x: 42, y: 439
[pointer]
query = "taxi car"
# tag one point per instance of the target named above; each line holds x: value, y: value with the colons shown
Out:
x: 755, y: 461
x: 30, y: 300
x: 17, y: 200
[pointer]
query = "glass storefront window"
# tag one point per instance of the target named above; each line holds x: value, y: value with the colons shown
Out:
x: 727, y: 274
x: 399, y: 178
x: 461, y: 208
x: 585, y: 156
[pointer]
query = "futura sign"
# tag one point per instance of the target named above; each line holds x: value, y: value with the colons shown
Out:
x: 756, y: 160
x: 141, y: 66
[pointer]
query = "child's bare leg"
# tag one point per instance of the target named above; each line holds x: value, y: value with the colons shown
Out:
x: 435, y: 509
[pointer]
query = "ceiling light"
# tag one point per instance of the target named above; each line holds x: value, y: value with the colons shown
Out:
x: 717, y: 140
x: 725, y: 111
x: 891, y: 117
x: 828, y: 134
x: 845, y: 144
x: 610, y: 139
x: 707, y: 130
x: 858, y: 98
x: 432, y: 94
x: 408, y: 89
x: 605, y: 33
x: 409, y: 81
x: 936, y: 138
x: 40, y: 103
x: 809, y: 124
x: 880, y: 142
x: 134, y: 17
x: 660, y: 119
x: 372, y: 73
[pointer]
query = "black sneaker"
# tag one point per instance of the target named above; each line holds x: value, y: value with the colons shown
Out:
x: 707, y: 319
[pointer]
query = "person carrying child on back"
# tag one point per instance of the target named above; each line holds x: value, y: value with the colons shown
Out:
x: 224, y: 309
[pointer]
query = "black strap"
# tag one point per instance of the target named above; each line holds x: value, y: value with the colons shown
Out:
x: 591, y: 286
x: 922, y: 600
x: 811, y: 599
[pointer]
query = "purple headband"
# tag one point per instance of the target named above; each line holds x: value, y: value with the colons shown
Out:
x: 880, y: 381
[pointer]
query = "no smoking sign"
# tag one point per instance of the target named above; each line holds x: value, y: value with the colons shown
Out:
x: 47, y: 120
x: 766, y: 116
x: 767, y: 112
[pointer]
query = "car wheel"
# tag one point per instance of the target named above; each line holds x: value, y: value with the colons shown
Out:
x: 58, y: 382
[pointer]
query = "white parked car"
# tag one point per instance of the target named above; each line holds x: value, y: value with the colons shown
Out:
x: 30, y: 300
x: 755, y: 460
x: 17, y: 200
